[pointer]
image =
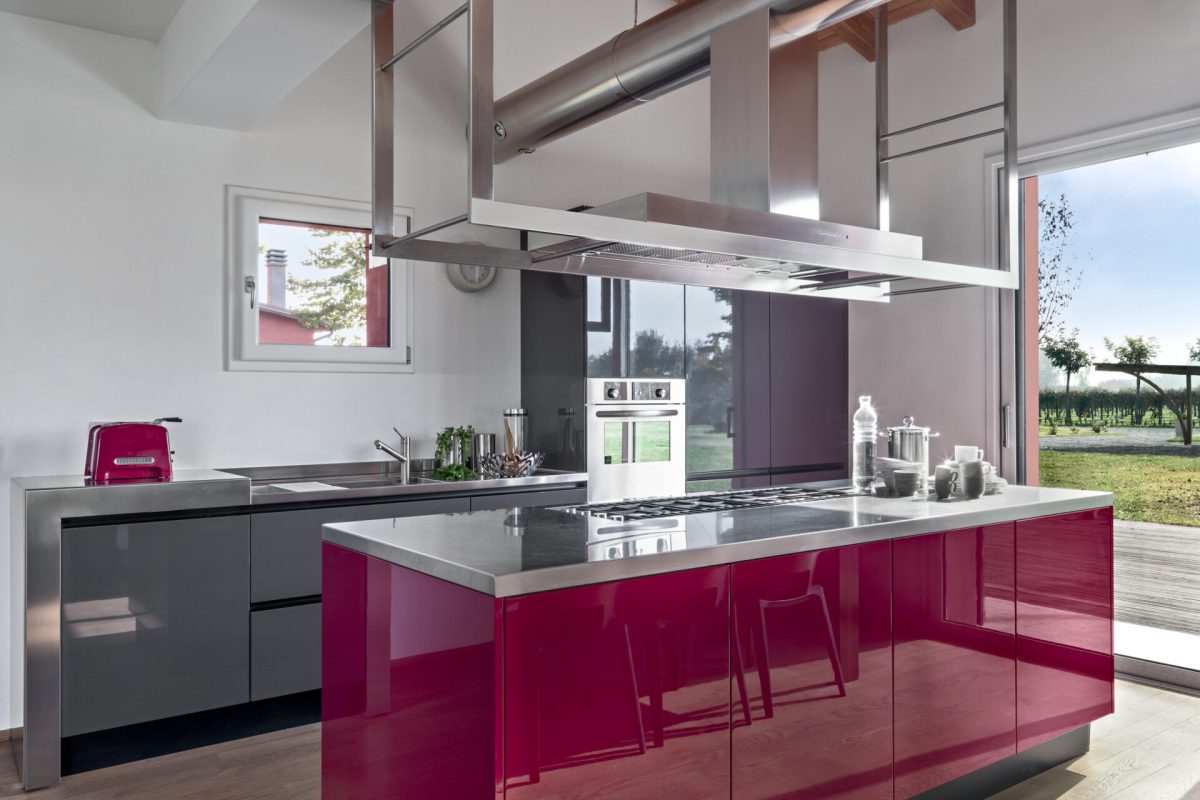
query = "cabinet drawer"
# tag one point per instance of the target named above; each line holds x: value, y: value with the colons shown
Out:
x: 549, y: 497
x: 285, y: 546
x: 285, y: 651
x: 153, y: 620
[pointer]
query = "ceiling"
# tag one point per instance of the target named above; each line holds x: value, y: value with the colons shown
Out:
x: 140, y: 19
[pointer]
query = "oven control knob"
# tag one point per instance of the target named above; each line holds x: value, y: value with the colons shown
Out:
x: 612, y: 392
x: 660, y: 393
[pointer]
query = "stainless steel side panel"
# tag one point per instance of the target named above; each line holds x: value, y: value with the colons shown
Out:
x: 36, y: 565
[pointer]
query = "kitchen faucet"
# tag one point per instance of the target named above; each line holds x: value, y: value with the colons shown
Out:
x: 402, y: 455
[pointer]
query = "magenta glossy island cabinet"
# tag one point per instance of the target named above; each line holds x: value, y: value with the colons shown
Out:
x: 879, y: 669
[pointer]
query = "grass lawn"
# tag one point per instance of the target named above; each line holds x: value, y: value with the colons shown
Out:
x: 1162, y: 489
x: 708, y: 451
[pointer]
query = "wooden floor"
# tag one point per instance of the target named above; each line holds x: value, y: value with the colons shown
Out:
x: 1157, y: 575
x: 274, y: 766
x: 1148, y: 750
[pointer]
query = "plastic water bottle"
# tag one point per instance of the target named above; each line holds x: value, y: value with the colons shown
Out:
x: 865, y: 433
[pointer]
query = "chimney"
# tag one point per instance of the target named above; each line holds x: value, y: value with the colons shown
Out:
x: 277, y: 278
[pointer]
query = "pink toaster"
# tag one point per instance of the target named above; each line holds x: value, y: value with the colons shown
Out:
x: 129, y: 451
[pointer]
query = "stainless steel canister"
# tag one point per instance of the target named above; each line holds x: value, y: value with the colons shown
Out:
x: 481, y: 445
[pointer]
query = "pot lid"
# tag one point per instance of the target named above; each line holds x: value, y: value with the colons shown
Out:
x: 907, y: 425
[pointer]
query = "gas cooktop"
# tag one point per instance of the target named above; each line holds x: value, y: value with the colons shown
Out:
x: 651, y: 508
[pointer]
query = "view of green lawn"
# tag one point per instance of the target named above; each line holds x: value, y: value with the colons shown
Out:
x: 708, y: 450
x: 1163, y: 489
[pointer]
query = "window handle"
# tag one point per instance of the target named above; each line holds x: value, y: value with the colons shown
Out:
x: 251, y: 289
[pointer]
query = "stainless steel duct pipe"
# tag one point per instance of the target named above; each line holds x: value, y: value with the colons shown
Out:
x: 663, y: 53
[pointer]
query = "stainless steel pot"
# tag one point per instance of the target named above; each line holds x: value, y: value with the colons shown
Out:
x: 910, y: 442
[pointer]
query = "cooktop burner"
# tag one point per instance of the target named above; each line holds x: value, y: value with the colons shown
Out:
x: 627, y: 510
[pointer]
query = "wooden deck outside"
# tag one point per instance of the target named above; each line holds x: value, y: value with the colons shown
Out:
x: 1157, y: 575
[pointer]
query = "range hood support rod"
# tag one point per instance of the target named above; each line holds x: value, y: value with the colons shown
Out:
x: 1009, y: 185
x: 424, y: 37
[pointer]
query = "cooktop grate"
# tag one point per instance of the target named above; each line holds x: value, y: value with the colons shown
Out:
x: 651, y: 508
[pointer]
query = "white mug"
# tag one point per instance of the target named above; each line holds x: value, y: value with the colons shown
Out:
x: 967, y: 452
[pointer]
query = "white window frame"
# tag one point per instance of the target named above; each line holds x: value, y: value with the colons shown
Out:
x: 244, y: 207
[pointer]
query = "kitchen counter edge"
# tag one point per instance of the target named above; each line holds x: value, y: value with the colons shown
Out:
x: 208, y: 489
x: 593, y: 572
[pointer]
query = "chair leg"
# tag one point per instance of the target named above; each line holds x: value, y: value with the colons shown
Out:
x: 656, y: 688
x: 637, y: 700
x: 535, y: 734
x: 739, y: 667
x: 835, y: 661
x: 761, y: 650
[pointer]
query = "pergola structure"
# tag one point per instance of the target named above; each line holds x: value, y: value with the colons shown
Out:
x: 1140, y: 371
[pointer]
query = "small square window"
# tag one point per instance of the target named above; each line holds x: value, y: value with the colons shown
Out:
x: 307, y: 292
x: 319, y: 285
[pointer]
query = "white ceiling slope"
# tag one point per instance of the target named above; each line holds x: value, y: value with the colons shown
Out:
x: 226, y: 63
x: 140, y: 19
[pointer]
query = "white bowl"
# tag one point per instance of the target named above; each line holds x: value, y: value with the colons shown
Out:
x: 888, y: 466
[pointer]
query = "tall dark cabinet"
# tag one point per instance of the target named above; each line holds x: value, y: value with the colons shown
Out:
x: 766, y: 374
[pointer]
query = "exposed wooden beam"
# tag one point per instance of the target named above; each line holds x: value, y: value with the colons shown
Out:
x: 859, y: 31
x: 959, y: 13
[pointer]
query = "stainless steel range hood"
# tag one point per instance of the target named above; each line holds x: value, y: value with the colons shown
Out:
x: 764, y: 159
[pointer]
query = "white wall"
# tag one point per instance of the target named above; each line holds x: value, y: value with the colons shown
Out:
x: 1083, y: 66
x: 112, y: 242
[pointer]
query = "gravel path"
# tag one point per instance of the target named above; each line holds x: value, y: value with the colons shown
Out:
x: 1128, y: 441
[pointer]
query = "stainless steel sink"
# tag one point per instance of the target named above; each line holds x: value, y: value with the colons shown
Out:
x: 367, y: 483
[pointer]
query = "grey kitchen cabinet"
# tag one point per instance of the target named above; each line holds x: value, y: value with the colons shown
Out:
x: 808, y: 381
x: 285, y: 546
x: 547, y: 497
x: 285, y: 650
x: 760, y: 368
x: 154, y: 620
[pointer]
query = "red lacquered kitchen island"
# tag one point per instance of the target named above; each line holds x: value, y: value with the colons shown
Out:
x: 850, y: 648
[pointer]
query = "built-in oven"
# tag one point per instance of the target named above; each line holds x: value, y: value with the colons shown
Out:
x: 635, y: 438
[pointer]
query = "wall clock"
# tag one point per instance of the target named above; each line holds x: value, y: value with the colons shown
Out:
x: 470, y: 277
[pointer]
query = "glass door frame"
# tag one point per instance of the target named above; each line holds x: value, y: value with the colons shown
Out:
x: 1010, y: 314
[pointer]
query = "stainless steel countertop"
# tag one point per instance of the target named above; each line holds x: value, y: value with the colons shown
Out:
x: 513, y: 552
x: 255, y: 486
x: 266, y: 484
x: 187, y: 477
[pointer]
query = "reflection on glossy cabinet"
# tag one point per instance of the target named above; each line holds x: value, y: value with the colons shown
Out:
x: 1064, y: 623
x: 955, y: 650
x: 812, y: 668
x: 154, y: 620
x: 619, y: 689
x: 409, y: 669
